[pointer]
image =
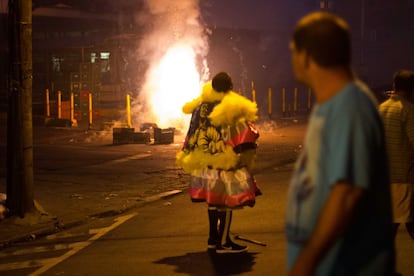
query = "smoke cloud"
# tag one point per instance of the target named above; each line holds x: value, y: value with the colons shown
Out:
x: 172, y: 35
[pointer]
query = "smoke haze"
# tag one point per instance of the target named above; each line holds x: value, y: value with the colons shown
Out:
x: 173, y: 47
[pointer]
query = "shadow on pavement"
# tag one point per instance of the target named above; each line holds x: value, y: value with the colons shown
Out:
x: 209, y: 263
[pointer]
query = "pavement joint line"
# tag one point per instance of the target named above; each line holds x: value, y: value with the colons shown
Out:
x: 121, y: 160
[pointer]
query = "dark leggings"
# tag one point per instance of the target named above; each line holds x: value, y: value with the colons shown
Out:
x: 220, y: 222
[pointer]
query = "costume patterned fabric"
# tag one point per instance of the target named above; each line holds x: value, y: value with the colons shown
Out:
x: 220, y: 148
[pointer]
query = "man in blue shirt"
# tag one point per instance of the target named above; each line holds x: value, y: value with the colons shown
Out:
x: 339, y: 219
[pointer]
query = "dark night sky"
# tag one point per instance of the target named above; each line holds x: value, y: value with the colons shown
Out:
x: 255, y: 14
x: 385, y: 27
x: 251, y: 14
x: 243, y: 14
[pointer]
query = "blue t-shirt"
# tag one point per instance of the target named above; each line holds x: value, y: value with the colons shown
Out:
x: 344, y: 142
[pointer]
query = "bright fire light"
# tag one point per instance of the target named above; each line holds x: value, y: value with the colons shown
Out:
x: 174, y: 81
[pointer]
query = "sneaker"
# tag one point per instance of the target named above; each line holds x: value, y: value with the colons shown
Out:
x: 212, y: 243
x: 230, y: 247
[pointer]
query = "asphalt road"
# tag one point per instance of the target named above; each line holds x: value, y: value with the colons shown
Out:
x: 85, y: 164
x: 165, y: 237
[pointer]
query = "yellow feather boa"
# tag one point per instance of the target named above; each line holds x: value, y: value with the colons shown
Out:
x: 231, y: 109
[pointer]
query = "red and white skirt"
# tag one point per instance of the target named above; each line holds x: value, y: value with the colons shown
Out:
x: 224, y: 189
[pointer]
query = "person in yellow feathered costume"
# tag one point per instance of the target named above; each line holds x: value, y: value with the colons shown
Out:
x: 218, y: 153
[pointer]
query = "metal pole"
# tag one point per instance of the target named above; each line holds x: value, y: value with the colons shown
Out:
x: 72, y: 110
x: 253, y: 93
x: 59, y: 100
x: 128, y: 109
x: 295, y: 100
x: 269, y: 96
x: 90, y: 110
x: 47, y: 103
x: 309, y: 98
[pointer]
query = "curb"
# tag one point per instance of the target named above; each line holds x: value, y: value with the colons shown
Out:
x: 56, y: 224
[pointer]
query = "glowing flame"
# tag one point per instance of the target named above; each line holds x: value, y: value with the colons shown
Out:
x: 175, y: 81
x: 172, y: 45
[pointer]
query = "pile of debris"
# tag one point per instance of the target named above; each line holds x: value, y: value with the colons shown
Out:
x: 148, y: 134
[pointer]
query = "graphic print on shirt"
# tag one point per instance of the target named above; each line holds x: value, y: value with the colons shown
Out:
x: 302, y: 192
x: 201, y: 133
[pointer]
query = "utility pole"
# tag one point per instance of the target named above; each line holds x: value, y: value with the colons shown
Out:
x: 20, y: 199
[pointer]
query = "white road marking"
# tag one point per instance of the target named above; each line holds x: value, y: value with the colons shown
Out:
x: 37, y: 249
x: 48, y: 263
x: 25, y: 264
x: 133, y: 157
x: 79, y: 246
